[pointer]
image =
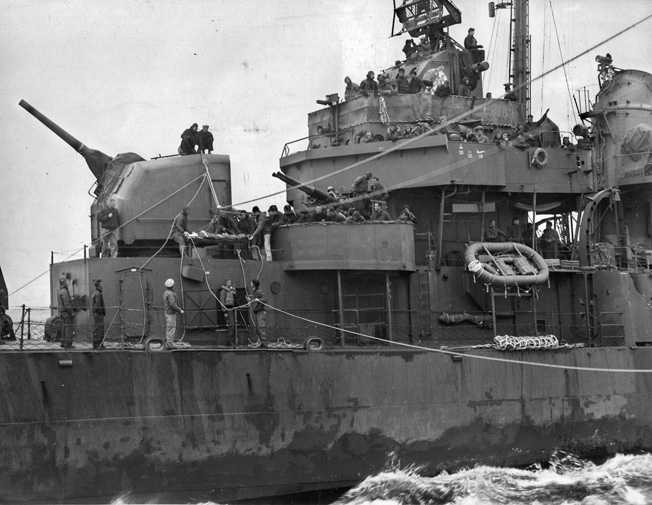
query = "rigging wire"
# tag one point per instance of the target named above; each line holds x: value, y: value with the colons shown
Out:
x: 543, y: 53
x: 563, y: 65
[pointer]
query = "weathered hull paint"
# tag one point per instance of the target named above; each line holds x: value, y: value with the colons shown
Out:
x: 226, y: 425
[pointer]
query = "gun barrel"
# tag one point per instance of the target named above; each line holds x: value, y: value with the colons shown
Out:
x: 51, y: 125
x: 309, y: 190
x: 97, y: 161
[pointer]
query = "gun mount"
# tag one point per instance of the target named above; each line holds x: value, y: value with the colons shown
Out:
x: 311, y: 191
x: 149, y: 193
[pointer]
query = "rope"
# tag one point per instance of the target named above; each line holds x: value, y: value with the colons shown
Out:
x: 210, y: 181
x: 382, y: 111
x: 508, y: 343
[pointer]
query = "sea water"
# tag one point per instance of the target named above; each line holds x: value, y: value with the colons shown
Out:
x: 566, y: 480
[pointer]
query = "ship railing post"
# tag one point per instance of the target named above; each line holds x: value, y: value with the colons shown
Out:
x: 340, y: 302
x: 29, y: 324
x: 388, y: 287
x: 22, y: 326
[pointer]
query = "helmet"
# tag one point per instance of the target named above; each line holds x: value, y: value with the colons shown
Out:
x: 169, y: 283
x: 62, y: 282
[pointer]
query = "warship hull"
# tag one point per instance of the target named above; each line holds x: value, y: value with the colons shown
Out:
x: 227, y: 425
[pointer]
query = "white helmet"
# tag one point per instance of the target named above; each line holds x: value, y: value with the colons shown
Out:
x: 169, y: 283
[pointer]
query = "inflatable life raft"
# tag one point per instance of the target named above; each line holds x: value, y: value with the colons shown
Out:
x: 505, y: 264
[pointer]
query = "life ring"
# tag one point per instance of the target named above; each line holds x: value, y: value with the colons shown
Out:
x: 540, y: 158
x: 154, y: 340
x: 313, y: 344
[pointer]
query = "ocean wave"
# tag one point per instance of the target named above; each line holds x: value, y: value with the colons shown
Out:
x: 565, y: 480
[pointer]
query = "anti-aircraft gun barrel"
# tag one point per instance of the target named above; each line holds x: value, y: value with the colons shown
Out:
x: 97, y: 161
x: 311, y: 191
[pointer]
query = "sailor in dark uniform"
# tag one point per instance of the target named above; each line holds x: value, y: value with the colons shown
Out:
x: 189, y: 140
x: 471, y: 45
x: 206, y: 140
x: 493, y: 234
x: 514, y: 233
x: 510, y: 94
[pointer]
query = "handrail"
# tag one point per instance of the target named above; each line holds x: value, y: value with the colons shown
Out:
x: 286, y: 148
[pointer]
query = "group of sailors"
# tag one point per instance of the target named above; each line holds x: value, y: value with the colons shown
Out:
x: 194, y: 141
x: 385, y: 85
x: 250, y: 233
x: 548, y: 244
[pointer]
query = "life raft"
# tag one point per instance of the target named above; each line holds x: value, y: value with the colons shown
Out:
x: 505, y: 264
x: 540, y: 158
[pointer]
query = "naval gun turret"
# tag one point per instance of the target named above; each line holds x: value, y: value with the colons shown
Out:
x: 148, y: 194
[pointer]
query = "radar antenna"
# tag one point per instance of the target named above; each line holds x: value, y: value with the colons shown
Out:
x: 429, y: 18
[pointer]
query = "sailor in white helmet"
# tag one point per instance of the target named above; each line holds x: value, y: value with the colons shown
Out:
x: 171, y: 311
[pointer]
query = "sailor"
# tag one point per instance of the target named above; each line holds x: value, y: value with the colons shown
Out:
x: 409, y: 48
x: 6, y: 326
x: 99, y: 311
x: 471, y: 45
x: 330, y: 191
x: 493, y: 234
x: 355, y: 217
x: 424, y: 48
x: 528, y: 235
x: 469, y: 136
x: 189, y: 140
x: 386, y: 86
x: 443, y: 89
x: 378, y: 191
x: 509, y: 93
x: 289, y: 216
x: 257, y: 312
x: 66, y: 313
x: 319, y: 215
x: 480, y: 135
x: 205, y: 140
x: 171, y: 311
x: 566, y: 144
x: 379, y: 214
x: 334, y: 216
x: 228, y: 298
x: 369, y: 85
x: 180, y: 230
x: 514, y: 233
x: 222, y: 223
x: 402, y: 83
x: 360, y: 190
x: 530, y: 125
x: 246, y: 225
x: 393, y: 133
x: 257, y: 238
x: 550, y: 242
x: 406, y: 215
x: 416, y: 84
x: 273, y: 221
x: 352, y: 89
x: 109, y: 219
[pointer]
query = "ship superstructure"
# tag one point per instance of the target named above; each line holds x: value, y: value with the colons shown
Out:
x: 389, y: 337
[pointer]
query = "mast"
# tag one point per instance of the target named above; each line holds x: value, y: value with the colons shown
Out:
x: 519, y: 68
x: 521, y: 52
